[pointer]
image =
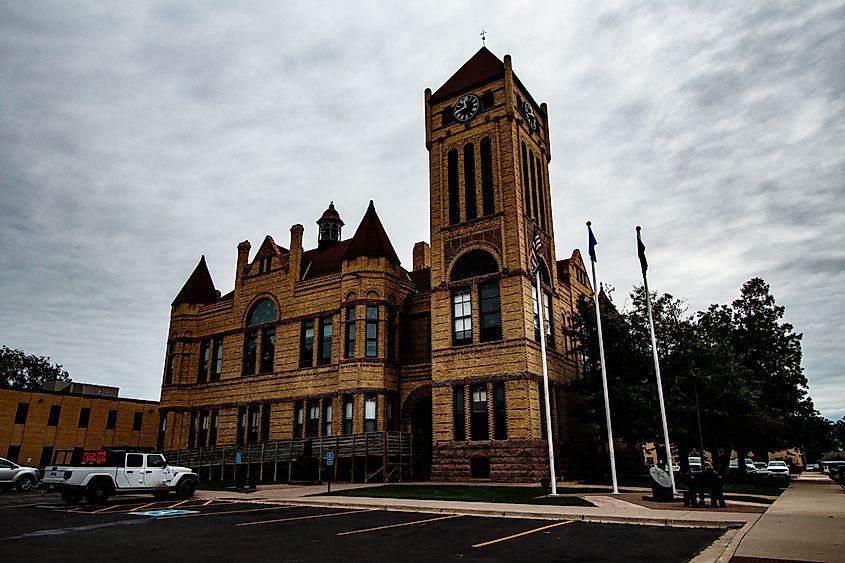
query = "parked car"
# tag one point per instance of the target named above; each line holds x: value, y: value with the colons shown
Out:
x: 811, y: 467
x: 14, y: 475
x: 762, y: 468
x: 778, y: 469
x: 694, y: 463
x: 750, y: 468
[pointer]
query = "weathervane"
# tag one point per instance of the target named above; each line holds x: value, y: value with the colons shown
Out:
x: 483, y: 37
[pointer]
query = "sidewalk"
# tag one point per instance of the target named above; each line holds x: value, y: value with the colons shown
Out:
x: 807, y: 522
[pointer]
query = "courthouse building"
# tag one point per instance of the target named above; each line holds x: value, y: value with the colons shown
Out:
x: 342, y: 339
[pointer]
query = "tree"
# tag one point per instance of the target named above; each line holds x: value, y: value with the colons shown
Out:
x: 19, y: 370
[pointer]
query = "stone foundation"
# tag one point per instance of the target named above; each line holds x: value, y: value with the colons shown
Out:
x: 514, y: 461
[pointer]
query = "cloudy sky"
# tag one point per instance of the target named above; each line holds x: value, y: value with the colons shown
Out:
x: 137, y: 136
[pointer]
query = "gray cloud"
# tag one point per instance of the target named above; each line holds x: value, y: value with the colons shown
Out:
x: 133, y: 139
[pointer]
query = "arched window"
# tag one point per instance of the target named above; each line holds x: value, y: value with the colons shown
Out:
x: 472, y: 264
x: 469, y: 182
x: 487, y: 193
x: 541, y: 192
x: 547, y: 307
x: 525, y: 185
x: 261, y: 313
x: 454, y: 193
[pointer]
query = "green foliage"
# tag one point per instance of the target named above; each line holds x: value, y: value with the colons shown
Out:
x: 735, y: 368
x: 19, y: 370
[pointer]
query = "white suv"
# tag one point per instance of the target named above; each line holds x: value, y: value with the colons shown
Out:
x: 14, y: 475
x: 778, y: 469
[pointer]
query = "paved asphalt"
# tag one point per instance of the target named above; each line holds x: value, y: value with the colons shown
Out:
x: 140, y: 528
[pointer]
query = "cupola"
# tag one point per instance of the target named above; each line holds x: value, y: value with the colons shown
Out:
x: 330, y: 224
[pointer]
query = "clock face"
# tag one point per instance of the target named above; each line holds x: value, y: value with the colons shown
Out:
x: 466, y: 108
x: 530, y: 118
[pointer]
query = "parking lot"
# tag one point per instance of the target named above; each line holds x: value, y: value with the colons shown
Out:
x: 35, y: 528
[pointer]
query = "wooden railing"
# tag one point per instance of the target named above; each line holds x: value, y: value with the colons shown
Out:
x: 390, y: 455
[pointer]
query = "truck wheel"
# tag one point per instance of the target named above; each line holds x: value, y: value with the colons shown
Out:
x: 71, y: 497
x: 98, y: 492
x: 186, y: 488
x: 25, y: 483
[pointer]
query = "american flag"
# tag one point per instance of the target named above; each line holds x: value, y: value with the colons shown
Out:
x: 536, y: 250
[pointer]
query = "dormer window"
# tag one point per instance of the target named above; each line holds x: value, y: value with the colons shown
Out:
x: 264, y: 264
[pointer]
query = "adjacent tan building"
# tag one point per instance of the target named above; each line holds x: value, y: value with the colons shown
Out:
x: 341, y: 339
x: 34, y: 424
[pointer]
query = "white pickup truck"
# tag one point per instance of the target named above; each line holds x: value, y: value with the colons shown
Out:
x: 97, y: 475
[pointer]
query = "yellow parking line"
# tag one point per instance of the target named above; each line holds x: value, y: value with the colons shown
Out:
x: 400, y: 525
x: 104, y: 509
x: 305, y: 517
x: 209, y: 501
x: 224, y: 512
x: 180, y: 503
x: 142, y: 506
x: 524, y: 533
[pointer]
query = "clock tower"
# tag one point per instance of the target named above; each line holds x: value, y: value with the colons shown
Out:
x: 489, y: 151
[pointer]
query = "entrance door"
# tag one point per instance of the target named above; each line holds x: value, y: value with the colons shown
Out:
x: 421, y: 428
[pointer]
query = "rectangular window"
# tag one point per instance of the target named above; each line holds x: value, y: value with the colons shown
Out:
x: 349, y: 347
x: 212, y: 431
x: 241, y: 430
x: 46, y: 456
x: 84, y: 416
x: 453, y: 178
x: 252, y: 437
x: 170, y: 366
x: 192, y: 430
x: 13, y: 453
x: 202, y: 370
x: 391, y: 332
x: 217, y: 359
x: 547, y: 319
x: 370, y: 404
x: 327, y: 417
x: 347, y: 415
x: 371, y: 350
x: 487, y: 193
x: 202, y: 434
x: 111, y: 420
x: 268, y: 349
x: 478, y: 420
x: 265, y: 422
x: 162, y: 428
x: 325, y: 352
x: 298, y: 419
x: 55, y: 413
x: 458, y: 414
x: 306, y: 349
x: 491, y: 318
x: 137, y: 421
x: 500, y: 423
x: 250, y: 348
x: 462, y: 317
x: 312, y: 422
x: 470, y: 203
x: 21, y: 413
x: 391, y: 414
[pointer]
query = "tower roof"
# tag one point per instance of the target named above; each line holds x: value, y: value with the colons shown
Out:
x: 371, y: 239
x: 330, y: 214
x: 482, y: 67
x: 199, y: 288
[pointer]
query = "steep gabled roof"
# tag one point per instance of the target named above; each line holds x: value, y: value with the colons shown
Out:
x: 270, y: 248
x: 199, y: 288
x: 370, y: 239
x: 324, y: 261
x: 483, y: 67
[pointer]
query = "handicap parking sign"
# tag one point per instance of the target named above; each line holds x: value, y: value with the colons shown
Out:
x: 168, y: 512
x: 329, y: 458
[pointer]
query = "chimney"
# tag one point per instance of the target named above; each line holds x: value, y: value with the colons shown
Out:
x: 422, y: 255
x: 295, y: 253
x: 243, y: 260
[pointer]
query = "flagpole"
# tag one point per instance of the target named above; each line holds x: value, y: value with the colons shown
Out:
x: 603, y: 370
x: 644, y: 267
x: 540, y: 305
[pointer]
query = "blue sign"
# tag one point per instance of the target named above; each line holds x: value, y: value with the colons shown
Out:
x: 329, y: 458
x: 238, y: 458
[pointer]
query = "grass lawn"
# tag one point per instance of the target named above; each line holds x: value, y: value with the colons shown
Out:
x: 469, y: 493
